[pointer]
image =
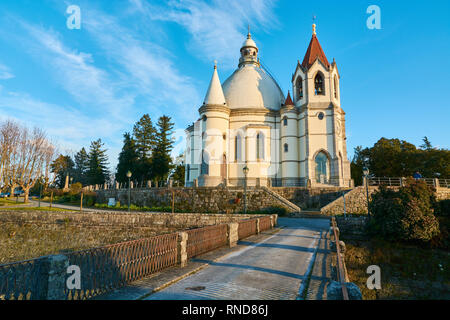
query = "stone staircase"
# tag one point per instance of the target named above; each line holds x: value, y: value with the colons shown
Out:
x: 292, y: 207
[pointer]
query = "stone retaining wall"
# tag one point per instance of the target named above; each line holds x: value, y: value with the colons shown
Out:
x: 201, y: 199
x: 307, y: 198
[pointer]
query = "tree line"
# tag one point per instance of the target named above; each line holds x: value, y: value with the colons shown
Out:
x: 25, y: 157
x: 86, y: 167
x: 146, y: 153
x: 399, y: 158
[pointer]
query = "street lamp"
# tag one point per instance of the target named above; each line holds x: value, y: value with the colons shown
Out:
x: 129, y: 189
x: 245, y: 170
x: 366, y: 179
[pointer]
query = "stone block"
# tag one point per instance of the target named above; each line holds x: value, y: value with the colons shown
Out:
x: 334, y: 291
x: 233, y: 236
x: 182, y: 249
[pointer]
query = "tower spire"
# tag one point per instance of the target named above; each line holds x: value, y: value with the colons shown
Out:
x: 314, y: 25
x: 214, y: 95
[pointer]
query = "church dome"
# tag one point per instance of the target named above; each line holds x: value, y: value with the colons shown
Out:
x: 252, y: 87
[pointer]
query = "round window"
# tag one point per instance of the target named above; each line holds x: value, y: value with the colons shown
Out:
x: 321, y: 115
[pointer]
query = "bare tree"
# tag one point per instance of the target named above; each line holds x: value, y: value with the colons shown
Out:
x: 10, y: 133
x: 25, y: 156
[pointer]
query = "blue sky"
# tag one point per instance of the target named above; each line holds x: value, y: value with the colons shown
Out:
x: 132, y: 57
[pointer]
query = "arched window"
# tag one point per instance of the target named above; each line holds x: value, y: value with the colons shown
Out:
x: 260, y: 145
x: 285, y: 121
x: 321, y: 167
x: 238, y: 148
x: 319, y: 88
x: 335, y: 87
x: 204, y: 168
x: 299, y: 87
x: 286, y: 147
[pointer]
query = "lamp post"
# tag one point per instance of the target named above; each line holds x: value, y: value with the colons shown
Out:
x: 245, y: 170
x: 366, y: 179
x: 129, y: 189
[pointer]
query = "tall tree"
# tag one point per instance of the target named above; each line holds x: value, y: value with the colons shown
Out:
x: 128, y: 159
x: 62, y: 166
x: 161, y: 158
x: 426, y: 144
x: 98, y: 172
x: 145, y: 140
x: 81, y: 166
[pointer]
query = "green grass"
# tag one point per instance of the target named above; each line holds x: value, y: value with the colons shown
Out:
x: 8, y: 202
x: 34, y: 209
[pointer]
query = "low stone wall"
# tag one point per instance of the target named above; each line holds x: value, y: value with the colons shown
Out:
x: 351, y: 227
x: 355, y: 202
x: 442, y: 193
x: 201, y: 199
x: 167, y: 221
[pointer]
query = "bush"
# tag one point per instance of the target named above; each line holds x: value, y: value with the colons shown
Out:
x: 407, y: 214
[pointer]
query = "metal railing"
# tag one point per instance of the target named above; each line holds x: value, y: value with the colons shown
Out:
x: 265, y: 223
x: 206, y: 239
x: 247, y: 228
x: 341, y: 273
x: 112, y: 266
x: 399, y: 182
x: 22, y: 280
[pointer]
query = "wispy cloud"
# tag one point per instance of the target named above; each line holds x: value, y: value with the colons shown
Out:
x: 76, y: 72
x: 148, y: 68
x: 216, y: 27
x: 5, y: 72
x: 67, y: 125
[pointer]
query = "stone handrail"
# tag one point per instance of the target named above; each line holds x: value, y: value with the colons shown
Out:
x: 286, y: 202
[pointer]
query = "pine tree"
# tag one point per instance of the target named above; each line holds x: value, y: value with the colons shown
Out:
x: 426, y: 144
x: 145, y: 139
x: 81, y: 166
x: 61, y: 167
x: 98, y: 172
x: 161, y: 158
x: 128, y: 159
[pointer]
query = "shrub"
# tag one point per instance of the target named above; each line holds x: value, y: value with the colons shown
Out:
x: 406, y: 214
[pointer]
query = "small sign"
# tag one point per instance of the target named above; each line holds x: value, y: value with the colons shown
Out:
x: 111, y: 202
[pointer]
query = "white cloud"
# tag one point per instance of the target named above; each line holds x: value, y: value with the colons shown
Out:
x: 5, y: 72
x: 217, y: 27
x: 67, y: 126
x: 148, y: 68
x: 77, y: 73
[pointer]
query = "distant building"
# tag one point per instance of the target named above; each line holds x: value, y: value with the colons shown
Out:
x: 247, y: 121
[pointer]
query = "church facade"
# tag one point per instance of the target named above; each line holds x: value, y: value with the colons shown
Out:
x: 247, y: 122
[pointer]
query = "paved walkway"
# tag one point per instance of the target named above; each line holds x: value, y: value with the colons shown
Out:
x: 276, y: 268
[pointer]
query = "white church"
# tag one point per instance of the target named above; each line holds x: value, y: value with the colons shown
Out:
x: 249, y: 132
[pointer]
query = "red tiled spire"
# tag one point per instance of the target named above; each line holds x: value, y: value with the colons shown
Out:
x: 314, y: 51
x: 288, y: 100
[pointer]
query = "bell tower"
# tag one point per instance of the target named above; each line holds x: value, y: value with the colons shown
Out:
x: 322, y: 140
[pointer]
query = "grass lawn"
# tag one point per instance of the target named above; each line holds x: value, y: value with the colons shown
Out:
x: 407, y: 271
x: 9, y: 202
x: 33, y: 209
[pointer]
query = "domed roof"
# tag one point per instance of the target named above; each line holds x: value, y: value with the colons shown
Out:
x: 251, y: 87
x: 249, y: 42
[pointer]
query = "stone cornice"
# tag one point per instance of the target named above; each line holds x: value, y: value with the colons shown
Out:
x: 254, y: 111
x: 214, y: 108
